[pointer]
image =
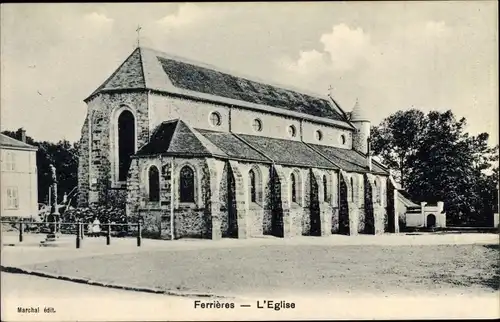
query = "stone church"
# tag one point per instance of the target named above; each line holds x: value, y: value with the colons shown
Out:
x: 210, y: 154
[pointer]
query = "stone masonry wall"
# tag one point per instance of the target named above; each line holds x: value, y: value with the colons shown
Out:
x: 103, y: 159
x: 83, y: 165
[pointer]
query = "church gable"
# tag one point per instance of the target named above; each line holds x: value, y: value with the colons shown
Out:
x: 129, y: 75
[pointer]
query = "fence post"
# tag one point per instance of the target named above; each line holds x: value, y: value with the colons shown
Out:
x: 21, y: 232
x: 139, y: 233
x: 82, y: 229
x: 78, y: 232
x: 108, y: 234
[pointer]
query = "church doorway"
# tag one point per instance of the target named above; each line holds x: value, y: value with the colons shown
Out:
x: 431, y: 221
x: 126, y: 143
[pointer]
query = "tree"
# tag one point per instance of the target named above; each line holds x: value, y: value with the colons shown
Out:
x: 396, y: 139
x: 63, y: 155
x: 439, y: 161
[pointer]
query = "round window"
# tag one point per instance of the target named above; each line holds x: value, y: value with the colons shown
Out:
x: 319, y: 135
x: 292, y: 131
x: 257, y: 125
x: 215, y: 119
x: 342, y: 139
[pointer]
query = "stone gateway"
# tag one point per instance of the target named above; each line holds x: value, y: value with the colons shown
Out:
x: 232, y: 157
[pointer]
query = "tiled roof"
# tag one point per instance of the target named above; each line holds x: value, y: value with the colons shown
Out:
x: 209, y: 81
x: 406, y: 201
x: 150, y: 69
x: 232, y: 146
x: 348, y: 160
x: 8, y: 142
x: 287, y: 151
x: 177, y: 138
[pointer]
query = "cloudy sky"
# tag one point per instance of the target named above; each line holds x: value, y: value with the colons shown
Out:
x: 389, y: 55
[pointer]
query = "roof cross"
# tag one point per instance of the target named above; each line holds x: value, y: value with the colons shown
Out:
x: 330, y: 89
x: 138, y: 30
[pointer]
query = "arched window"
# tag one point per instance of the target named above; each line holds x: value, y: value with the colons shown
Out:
x: 126, y: 143
x: 352, y: 190
x: 253, y: 187
x: 325, y: 189
x: 186, y: 184
x: 154, y: 183
x: 215, y: 119
x: 257, y: 125
x: 319, y: 135
x: 293, y: 187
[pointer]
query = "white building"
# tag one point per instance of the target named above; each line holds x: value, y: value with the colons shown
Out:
x: 18, y: 178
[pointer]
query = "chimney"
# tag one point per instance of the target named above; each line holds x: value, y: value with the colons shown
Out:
x: 23, y: 135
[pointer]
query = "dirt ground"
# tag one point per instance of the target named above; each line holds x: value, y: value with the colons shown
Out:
x: 319, y: 269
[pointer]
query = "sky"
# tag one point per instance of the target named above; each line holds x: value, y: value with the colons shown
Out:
x: 388, y: 55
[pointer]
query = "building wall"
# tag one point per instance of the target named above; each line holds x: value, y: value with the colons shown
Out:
x: 98, y: 169
x: 240, y: 121
x: 195, y: 114
x: 331, y: 135
x: 311, y: 214
x: 23, y: 178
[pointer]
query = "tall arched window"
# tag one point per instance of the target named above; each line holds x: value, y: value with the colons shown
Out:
x: 325, y: 189
x: 352, y: 190
x: 154, y: 183
x: 186, y: 184
x: 126, y: 143
x: 293, y: 187
x: 253, y: 187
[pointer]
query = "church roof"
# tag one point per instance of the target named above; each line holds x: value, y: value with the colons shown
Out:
x: 347, y: 159
x: 178, y: 139
x: 8, y: 142
x: 287, y: 152
x: 150, y: 69
x: 358, y: 113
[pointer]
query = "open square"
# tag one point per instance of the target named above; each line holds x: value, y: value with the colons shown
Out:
x: 279, y: 269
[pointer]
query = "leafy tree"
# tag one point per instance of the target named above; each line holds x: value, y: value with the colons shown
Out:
x: 396, y: 140
x: 63, y: 155
x: 439, y: 161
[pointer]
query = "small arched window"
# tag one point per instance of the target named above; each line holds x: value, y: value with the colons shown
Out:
x: 319, y: 135
x: 352, y: 190
x: 186, y: 183
x: 154, y: 183
x: 257, y: 125
x: 292, y: 131
x: 215, y: 119
x: 253, y: 188
x: 293, y: 186
x: 325, y: 189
